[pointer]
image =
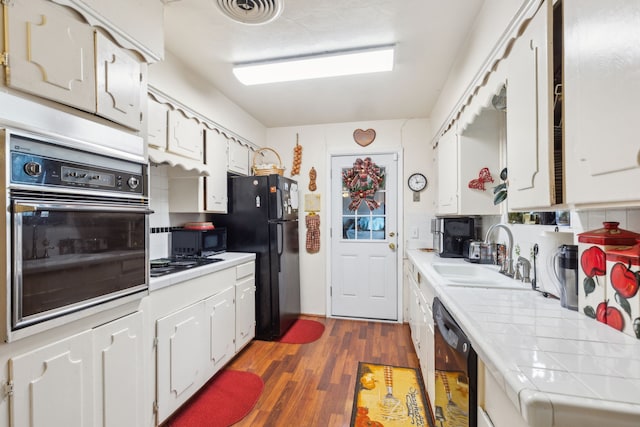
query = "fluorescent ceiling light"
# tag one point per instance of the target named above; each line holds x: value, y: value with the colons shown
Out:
x: 371, y: 60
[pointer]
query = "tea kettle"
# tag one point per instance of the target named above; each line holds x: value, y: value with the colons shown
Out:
x: 565, y: 273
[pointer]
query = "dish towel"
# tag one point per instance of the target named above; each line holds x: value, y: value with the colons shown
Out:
x: 313, y: 233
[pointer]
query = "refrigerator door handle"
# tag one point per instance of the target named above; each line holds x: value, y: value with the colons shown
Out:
x: 279, y: 205
x: 280, y: 247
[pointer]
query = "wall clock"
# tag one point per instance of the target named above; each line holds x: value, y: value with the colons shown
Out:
x: 417, y: 182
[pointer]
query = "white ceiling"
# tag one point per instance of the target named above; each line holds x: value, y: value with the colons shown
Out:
x: 427, y: 34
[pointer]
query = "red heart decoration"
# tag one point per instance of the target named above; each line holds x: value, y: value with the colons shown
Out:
x: 364, y: 137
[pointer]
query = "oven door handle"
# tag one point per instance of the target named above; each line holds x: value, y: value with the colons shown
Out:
x: 21, y: 207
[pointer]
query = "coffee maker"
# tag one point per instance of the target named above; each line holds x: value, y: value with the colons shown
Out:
x: 451, y: 235
x: 565, y: 269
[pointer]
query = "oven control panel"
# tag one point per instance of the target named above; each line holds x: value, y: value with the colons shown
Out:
x: 38, y: 163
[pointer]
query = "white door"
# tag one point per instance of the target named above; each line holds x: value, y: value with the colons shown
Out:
x: 364, y: 265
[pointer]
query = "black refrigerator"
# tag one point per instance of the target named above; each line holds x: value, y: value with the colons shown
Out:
x: 263, y: 218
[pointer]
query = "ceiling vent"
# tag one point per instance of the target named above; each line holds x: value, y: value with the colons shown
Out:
x: 251, y: 12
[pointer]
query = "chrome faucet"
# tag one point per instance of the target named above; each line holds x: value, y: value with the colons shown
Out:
x: 507, y: 264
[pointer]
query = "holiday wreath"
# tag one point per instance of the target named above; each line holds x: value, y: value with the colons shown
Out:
x: 362, y: 181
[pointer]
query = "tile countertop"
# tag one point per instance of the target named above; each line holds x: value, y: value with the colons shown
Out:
x: 557, y: 366
x: 230, y: 259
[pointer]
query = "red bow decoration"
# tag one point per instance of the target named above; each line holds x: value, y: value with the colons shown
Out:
x: 483, y: 176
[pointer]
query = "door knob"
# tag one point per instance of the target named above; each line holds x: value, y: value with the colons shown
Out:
x: 392, y: 246
x: 392, y: 234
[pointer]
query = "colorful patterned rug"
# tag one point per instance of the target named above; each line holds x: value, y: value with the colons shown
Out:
x: 389, y: 396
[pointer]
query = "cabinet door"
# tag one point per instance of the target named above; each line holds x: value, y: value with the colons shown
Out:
x: 157, y: 122
x: 118, y: 372
x: 51, y: 53
x: 530, y: 115
x: 216, y: 182
x: 121, y: 83
x: 180, y: 357
x: 448, y: 173
x: 602, y: 88
x: 140, y: 27
x: 185, y: 135
x: 238, y: 158
x: 245, y: 311
x: 53, y: 385
x: 220, y: 312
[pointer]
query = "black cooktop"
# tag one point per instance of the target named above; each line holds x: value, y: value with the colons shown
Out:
x: 164, y: 266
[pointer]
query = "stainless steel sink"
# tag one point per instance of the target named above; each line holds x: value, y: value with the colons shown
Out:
x: 475, y: 275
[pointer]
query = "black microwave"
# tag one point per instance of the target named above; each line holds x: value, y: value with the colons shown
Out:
x: 198, y: 242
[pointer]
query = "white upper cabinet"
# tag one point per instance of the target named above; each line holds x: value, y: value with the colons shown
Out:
x: 51, y: 53
x: 530, y: 147
x: 121, y: 83
x: 448, y: 173
x: 216, y: 182
x: 238, y: 158
x: 602, y: 107
x: 157, y: 122
x: 185, y: 135
x: 135, y: 25
x: 55, y: 55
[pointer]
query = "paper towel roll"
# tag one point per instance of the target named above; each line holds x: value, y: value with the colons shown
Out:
x: 547, y: 246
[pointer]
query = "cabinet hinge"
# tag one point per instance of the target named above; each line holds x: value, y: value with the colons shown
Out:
x: 4, y: 59
x: 155, y: 406
x: 8, y: 389
x: 155, y: 342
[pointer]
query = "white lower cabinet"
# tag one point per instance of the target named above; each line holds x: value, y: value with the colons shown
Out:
x: 118, y: 373
x: 245, y: 304
x: 495, y: 409
x: 200, y: 325
x: 421, y: 296
x: 93, y: 378
x: 52, y: 385
x: 181, y: 357
x: 220, y: 312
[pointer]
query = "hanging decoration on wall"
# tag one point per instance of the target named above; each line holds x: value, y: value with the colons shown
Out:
x: 500, y: 190
x: 362, y: 181
x: 297, y: 158
x: 364, y: 137
x: 483, y: 176
x: 312, y: 222
x: 312, y: 179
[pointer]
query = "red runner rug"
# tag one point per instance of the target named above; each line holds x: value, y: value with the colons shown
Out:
x: 303, y: 331
x: 225, y: 400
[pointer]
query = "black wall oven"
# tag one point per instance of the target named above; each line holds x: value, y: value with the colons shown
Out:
x: 78, y: 223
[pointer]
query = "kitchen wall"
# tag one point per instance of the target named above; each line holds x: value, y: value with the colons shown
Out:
x: 318, y: 142
x: 191, y: 90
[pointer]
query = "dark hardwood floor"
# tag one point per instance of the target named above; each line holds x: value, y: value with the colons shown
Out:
x: 310, y: 385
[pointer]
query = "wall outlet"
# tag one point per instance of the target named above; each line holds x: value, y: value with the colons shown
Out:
x: 415, y: 233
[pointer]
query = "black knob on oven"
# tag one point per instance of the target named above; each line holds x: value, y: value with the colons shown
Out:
x: 33, y: 168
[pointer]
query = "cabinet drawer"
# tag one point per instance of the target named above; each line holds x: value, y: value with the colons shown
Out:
x: 245, y: 270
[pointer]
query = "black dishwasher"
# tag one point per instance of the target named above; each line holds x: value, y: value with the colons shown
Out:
x: 456, y: 365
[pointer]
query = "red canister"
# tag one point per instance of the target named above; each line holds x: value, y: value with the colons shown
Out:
x: 592, y: 271
x: 623, y: 281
